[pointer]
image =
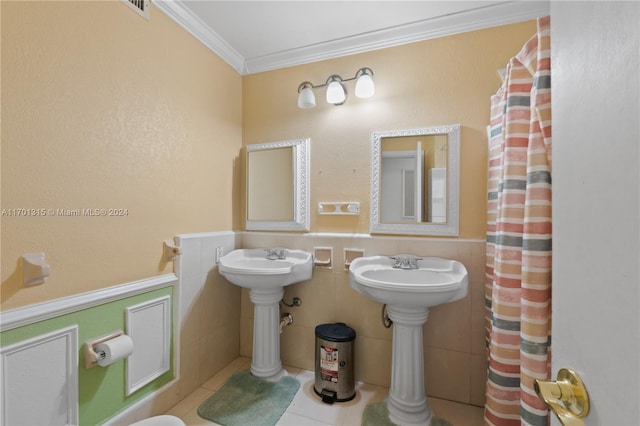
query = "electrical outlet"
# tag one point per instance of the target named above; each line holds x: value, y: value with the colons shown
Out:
x: 219, y: 253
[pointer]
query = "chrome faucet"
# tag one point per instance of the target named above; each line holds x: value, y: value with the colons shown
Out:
x: 276, y: 253
x: 405, y: 262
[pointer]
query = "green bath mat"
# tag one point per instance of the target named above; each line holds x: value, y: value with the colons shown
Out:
x: 247, y: 400
x: 376, y: 414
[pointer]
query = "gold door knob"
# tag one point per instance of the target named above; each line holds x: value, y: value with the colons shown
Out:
x: 566, y: 397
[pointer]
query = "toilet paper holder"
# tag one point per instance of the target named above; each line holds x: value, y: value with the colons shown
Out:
x: 91, y: 357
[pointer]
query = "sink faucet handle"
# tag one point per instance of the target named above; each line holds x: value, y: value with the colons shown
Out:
x: 399, y: 261
x: 271, y: 254
x: 276, y: 253
x: 405, y: 261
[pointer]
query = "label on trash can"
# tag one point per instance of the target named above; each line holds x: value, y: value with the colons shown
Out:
x: 329, y: 364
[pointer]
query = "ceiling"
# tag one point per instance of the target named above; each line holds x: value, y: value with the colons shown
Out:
x: 257, y: 36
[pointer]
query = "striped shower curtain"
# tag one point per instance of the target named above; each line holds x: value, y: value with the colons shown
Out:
x: 518, y: 270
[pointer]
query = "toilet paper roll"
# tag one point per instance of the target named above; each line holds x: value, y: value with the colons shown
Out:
x: 114, y: 350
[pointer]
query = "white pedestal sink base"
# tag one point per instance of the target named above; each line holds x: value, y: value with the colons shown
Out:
x: 265, y: 362
x: 407, y: 401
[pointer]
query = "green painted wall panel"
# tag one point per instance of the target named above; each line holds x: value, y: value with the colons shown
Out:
x: 101, y: 390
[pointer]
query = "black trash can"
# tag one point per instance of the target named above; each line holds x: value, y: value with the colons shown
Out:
x: 334, y: 380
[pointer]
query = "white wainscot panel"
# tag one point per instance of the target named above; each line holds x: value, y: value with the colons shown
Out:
x: 149, y: 326
x: 39, y: 379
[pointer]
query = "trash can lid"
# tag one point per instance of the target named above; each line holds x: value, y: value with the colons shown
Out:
x: 338, y: 332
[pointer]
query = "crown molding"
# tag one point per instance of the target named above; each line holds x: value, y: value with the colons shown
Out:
x: 194, y: 25
x: 490, y: 16
x: 484, y: 17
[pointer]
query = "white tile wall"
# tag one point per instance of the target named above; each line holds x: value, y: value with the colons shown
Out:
x: 209, y: 331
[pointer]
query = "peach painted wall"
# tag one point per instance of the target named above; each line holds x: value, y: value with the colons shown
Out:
x: 103, y: 109
x: 436, y: 82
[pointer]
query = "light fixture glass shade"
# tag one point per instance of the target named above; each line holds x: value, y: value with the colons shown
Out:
x: 335, y: 93
x: 364, y: 86
x: 306, y: 98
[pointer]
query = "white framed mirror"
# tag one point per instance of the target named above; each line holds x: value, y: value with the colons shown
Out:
x: 415, y: 181
x: 278, y: 186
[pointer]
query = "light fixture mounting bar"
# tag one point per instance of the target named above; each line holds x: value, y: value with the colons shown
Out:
x: 343, y: 80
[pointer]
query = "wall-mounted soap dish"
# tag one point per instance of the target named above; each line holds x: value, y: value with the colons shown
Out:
x: 350, y: 255
x: 323, y: 257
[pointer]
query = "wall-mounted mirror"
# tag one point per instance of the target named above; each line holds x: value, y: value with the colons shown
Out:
x: 278, y: 186
x: 415, y: 181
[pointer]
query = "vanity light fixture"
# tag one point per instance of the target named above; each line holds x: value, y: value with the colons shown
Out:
x: 336, y: 91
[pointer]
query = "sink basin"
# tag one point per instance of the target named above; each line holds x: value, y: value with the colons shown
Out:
x: 434, y: 282
x: 250, y: 268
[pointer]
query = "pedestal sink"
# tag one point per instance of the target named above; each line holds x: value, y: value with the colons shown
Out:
x: 265, y: 273
x: 409, y: 286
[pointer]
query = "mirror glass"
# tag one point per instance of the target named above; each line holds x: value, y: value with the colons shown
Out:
x: 278, y: 186
x: 415, y: 181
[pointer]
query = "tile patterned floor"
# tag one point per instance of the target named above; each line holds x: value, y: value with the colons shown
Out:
x: 307, y: 409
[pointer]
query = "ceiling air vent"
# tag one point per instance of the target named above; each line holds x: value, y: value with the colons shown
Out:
x: 140, y: 6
